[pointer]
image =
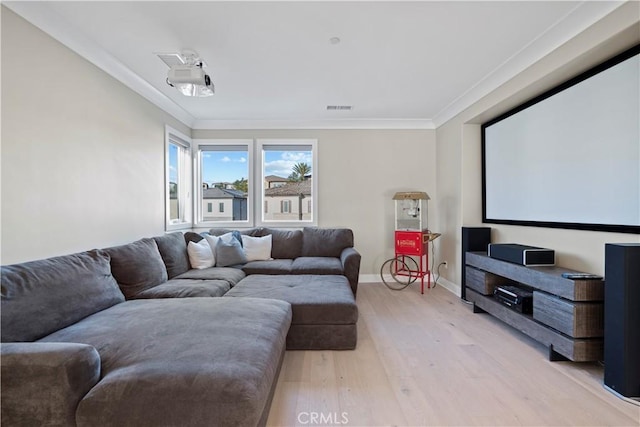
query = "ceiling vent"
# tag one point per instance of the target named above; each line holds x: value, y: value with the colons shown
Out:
x: 339, y: 107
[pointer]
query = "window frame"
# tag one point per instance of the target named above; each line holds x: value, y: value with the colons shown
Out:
x: 185, y: 181
x: 285, y: 144
x: 197, y: 177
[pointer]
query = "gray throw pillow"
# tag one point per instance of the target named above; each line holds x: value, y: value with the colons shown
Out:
x: 173, y: 249
x: 229, y: 253
x: 137, y: 266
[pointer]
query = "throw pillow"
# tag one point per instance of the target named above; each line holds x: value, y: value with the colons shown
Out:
x: 257, y: 248
x: 137, y: 266
x: 212, y: 241
x: 229, y: 253
x: 200, y: 254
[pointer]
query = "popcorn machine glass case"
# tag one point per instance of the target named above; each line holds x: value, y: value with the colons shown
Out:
x: 411, y: 211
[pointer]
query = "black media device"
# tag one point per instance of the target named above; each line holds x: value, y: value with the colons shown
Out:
x: 522, y: 254
x: 515, y: 298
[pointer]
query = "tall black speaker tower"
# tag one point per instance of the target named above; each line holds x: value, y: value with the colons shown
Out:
x: 622, y: 318
x: 474, y: 239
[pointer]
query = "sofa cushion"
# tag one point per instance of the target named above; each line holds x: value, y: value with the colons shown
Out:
x: 40, y: 297
x: 177, y: 361
x: 286, y: 244
x: 316, y: 265
x: 230, y: 274
x: 137, y: 266
x: 182, y: 288
x: 274, y: 266
x: 200, y: 254
x: 325, y: 241
x: 173, y: 249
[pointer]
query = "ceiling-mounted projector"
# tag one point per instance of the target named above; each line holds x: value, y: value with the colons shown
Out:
x: 190, y: 80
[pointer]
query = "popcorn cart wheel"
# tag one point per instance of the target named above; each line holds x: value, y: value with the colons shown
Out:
x: 403, y: 271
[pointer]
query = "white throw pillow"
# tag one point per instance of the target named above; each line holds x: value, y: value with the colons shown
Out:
x: 200, y: 254
x: 212, y: 240
x: 257, y: 248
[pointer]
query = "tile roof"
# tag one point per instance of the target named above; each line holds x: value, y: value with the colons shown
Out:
x: 222, y: 193
x: 290, y: 189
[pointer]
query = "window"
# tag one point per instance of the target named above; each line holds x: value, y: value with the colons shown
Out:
x: 226, y: 167
x: 278, y: 174
x: 288, y: 169
x: 178, y: 181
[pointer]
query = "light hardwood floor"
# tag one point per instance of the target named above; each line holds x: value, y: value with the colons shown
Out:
x: 427, y: 360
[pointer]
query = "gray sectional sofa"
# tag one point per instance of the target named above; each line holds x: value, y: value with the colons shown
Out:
x: 107, y: 337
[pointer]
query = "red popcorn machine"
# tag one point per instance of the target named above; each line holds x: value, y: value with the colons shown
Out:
x: 412, y: 237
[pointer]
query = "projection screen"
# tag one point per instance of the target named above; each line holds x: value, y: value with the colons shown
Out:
x: 569, y: 158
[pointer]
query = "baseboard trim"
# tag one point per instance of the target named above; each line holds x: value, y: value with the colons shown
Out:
x: 364, y: 279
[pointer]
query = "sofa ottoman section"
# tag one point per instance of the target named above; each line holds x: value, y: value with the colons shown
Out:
x: 325, y: 313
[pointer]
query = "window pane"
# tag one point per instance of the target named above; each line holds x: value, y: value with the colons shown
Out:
x: 174, y: 183
x: 224, y: 174
x: 178, y: 180
x: 287, y: 183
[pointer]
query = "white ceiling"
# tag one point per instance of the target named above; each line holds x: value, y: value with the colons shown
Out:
x: 399, y: 64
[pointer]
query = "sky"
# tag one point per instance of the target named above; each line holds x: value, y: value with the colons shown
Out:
x: 228, y: 166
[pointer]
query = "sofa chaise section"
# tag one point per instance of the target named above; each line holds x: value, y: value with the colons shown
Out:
x: 183, y: 361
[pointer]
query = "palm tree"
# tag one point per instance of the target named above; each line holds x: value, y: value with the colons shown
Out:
x: 299, y: 171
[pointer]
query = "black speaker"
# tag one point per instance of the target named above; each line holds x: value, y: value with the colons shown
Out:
x: 622, y: 318
x: 474, y: 239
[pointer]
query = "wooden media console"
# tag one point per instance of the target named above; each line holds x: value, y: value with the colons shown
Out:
x: 568, y: 314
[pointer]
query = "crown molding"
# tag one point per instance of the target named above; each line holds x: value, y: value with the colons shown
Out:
x: 576, y: 21
x: 315, y: 124
x: 38, y: 14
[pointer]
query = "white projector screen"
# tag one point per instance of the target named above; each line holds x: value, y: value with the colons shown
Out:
x: 569, y: 158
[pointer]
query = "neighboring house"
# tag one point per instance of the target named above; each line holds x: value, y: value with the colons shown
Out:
x: 219, y: 204
x: 274, y: 181
x: 289, y: 202
x: 224, y: 185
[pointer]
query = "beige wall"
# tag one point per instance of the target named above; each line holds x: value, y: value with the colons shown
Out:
x: 458, y: 150
x: 82, y: 155
x: 359, y: 171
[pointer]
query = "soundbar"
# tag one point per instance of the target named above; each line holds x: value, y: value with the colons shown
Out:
x: 522, y: 254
